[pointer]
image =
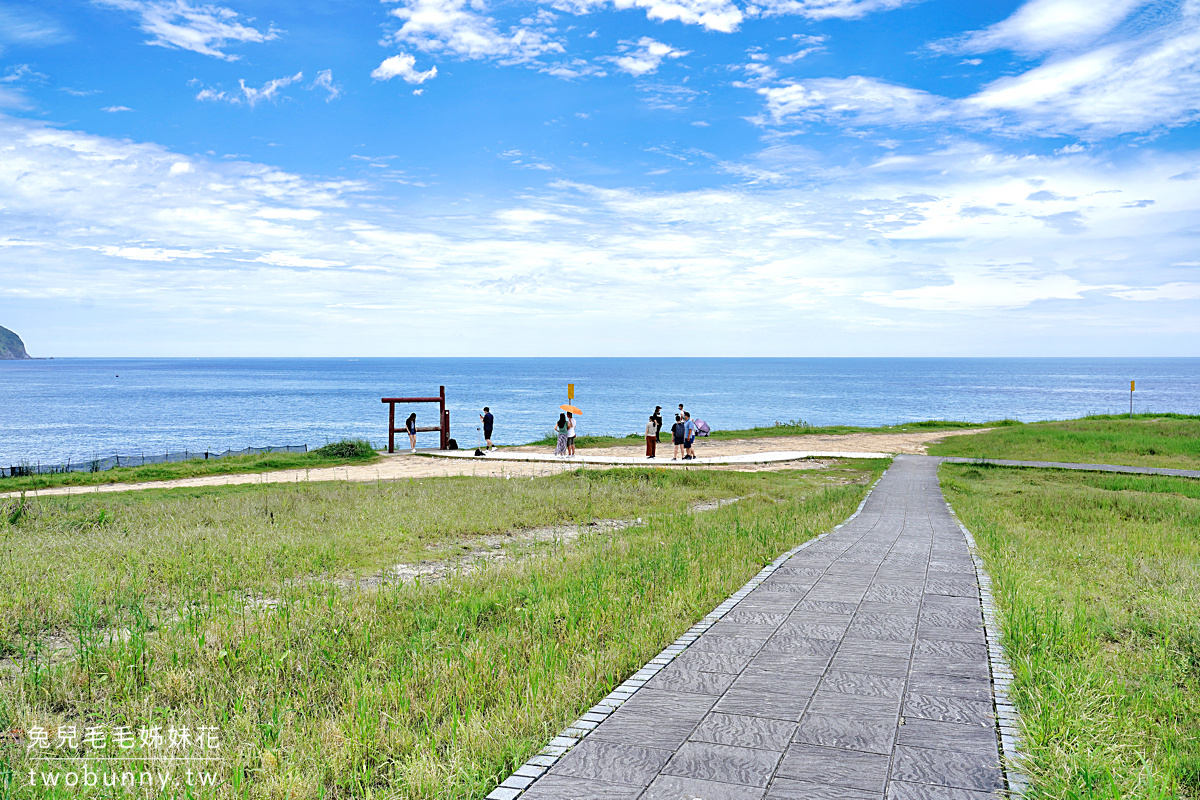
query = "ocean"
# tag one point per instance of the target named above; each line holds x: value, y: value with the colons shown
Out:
x: 77, y: 408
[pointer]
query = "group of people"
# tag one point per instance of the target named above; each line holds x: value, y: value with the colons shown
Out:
x: 683, y: 434
x: 410, y: 425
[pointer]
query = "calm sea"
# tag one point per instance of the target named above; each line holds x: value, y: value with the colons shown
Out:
x: 83, y: 408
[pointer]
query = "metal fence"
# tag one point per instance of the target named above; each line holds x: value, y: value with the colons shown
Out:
x: 141, y: 459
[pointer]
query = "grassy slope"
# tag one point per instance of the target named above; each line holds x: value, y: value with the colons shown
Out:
x: 413, y: 691
x: 782, y: 429
x: 1150, y: 440
x: 1098, y: 580
x: 336, y: 454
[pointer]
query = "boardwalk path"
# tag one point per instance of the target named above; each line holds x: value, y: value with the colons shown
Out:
x: 858, y: 670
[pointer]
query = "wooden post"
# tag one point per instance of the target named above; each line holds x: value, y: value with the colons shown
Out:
x: 391, y: 427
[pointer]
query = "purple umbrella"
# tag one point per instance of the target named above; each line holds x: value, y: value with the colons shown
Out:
x: 702, y: 428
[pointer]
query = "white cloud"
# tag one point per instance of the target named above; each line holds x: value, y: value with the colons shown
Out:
x: 1142, y: 84
x: 230, y: 244
x: 325, y: 81
x: 858, y: 99
x: 723, y: 16
x: 249, y: 95
x: 116, y: 109
x: 404, y: 66
x: 452, y: 27
x: 1167, y: 291
x: 830, y: 9
x: 1040, y: 26
x: 28, y: 27
x: 645, y: 56
x: 203, y: 29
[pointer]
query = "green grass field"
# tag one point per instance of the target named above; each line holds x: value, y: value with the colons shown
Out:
x: 335, y: 454
x: 1098, y: 580
x: 408, y: 691
x: 1148, y: 440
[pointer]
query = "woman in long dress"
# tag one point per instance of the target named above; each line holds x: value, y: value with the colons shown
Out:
x: 560, y: 449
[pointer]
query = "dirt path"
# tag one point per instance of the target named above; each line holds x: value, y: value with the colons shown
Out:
x: 404, y: 465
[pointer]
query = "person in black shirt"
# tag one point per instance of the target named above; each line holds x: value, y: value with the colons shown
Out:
x: 677, y: 436
x: 488, y: 421
x: 656, y: 418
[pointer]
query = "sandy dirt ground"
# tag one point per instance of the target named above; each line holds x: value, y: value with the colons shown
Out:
x: 403, y: 466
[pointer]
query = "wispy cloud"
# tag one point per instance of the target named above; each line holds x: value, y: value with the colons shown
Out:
x: 249, y: 95
x: 325, y: 81
x: 465, y: 31
x: 204, y: 29
x: 644, y: 56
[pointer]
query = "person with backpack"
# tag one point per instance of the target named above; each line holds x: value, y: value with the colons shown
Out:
x: 677, y: 431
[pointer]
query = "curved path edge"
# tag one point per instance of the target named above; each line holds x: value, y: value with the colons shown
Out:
x: 1001, y: 462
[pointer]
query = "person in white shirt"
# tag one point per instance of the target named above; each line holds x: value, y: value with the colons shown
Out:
x: 570, y: 434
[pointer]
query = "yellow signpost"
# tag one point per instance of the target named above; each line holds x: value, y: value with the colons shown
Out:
x: 570, y: 391
x: 1131, y: 399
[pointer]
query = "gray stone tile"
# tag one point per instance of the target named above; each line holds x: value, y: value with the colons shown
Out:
x: 951, y: 649
x: 680, y: 679
x: 744, y: 731
x: 838, y: 704
x: 599, y: 760
x: 742, y: 630
x: 951, y: 686
x: 980, y: 739
x: 789, y: 664
x: 864, y: 647
x: 800, y: 645
x: 743, y: 766
x: 862, y: 683
x: 886, y: 593
x: 566, y: 787
x: 873, y: 664
x: 834, y: 767
x: 671, y: 787
x: 749, y: 617
x: 771, y: 705
x: 947, y: 709
x: 671, y: 704
x: 757, y: 680
x: 871, y: 734
x: 947, y: 665
x: 827, y: 607
x: 944, y: 768
x: 732, y: 645
x: 648, y: 729
x: 813, y: 630
x: 879, y: 632
x: 956, y: 587
x: 898, y: 790
x: 702, y: 661
x: 786, y: 789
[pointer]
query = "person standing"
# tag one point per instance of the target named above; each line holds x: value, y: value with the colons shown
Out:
x: 656, y: 418
x: 410, y: 425
x: 488, y: 421
x: 652, y: 436
x: 677, y: 436
x: 560, y: 447
x: 689, y: 437
x: 570, y: 434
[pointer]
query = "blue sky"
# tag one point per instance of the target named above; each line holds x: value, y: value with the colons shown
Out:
x: 600, y: 177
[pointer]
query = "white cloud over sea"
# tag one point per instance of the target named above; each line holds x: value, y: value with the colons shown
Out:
x: 202, y: 249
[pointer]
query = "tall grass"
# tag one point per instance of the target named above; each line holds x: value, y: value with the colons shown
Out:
x: 411, y: 691
x: 1098, y: 582
x: 1148, y: 440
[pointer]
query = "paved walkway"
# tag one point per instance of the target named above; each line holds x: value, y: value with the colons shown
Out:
x: 1184, y: 473
x: 769, y: 457
x: 857, y: 670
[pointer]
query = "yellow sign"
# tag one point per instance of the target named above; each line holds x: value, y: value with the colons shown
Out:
x: 570, y: 391
x: 1131, y: 386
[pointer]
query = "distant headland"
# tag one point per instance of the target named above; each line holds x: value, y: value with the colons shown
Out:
x: 11, y: 346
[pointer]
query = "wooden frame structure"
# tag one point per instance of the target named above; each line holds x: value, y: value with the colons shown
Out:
x: 443, y: 418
